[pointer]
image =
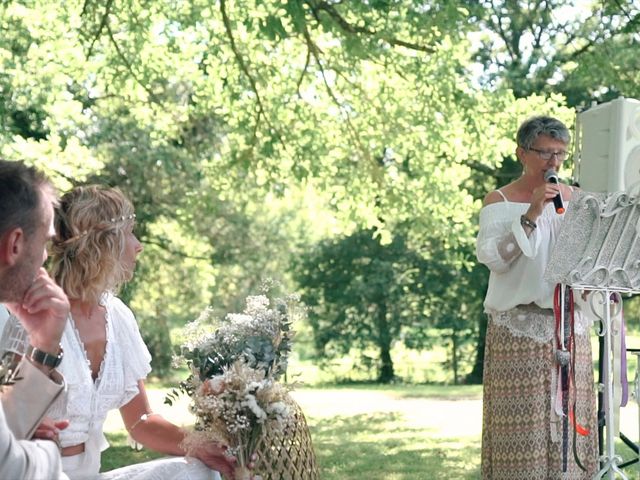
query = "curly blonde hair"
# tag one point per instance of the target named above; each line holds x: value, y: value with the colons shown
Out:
x: 90, y: 233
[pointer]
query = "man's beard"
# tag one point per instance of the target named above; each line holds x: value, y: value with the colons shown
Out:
x: 16, y: 281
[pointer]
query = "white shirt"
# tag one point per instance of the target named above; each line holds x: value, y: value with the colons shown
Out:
x: 517, y: 262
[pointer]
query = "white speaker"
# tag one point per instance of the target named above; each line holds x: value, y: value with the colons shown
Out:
x: 608, y: 138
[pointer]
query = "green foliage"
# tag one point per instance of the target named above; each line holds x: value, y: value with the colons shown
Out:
x: 364, y: 293
x: 244, y: 132
x: 583, y: 49
x: 260, y: 336
x: 390, y: 435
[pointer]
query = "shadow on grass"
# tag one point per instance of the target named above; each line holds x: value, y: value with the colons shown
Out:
x: 407, y: 390
x: 120, y: 454
x: 382, y: 446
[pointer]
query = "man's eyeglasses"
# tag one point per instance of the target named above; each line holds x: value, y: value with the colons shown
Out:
x: 546, y: 155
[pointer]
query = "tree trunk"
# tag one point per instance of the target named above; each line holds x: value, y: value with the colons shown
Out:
x: 454, y: 356
x: 386, y: 374
x: 476, y: 373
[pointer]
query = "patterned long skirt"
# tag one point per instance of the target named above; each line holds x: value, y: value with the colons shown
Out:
x: 521, y: 437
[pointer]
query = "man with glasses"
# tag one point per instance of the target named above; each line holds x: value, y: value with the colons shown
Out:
x: 26, y: 225
x: 522, y: 434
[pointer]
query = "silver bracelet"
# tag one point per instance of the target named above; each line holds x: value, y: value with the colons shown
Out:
x: 525, y: 222
x: 143, y: 418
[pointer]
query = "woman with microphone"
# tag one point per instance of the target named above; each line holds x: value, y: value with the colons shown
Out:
x: 522, y: 434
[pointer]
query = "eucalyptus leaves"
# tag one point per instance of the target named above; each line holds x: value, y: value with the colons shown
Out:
x: 235, y: 364
x: 261, y: 335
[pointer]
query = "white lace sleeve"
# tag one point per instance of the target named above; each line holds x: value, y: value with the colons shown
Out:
x: 136, y: 357
x: 502, y: 239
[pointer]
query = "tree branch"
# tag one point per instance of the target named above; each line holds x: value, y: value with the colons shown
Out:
x: 502, y: 33
x: 313, y: 48
x: 103, y: 23
x: 129, y: 67
x: 245, y: 70
x: 304, y: 71
x: 354, y: 29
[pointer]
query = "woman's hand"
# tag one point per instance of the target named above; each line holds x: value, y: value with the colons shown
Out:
x: 49, y: 430
x: 215, y: 457
x: 539, y: 198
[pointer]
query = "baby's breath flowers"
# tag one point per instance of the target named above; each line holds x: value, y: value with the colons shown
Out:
x: 235, y: 364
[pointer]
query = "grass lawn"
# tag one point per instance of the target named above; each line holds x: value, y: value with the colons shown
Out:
x: 373, y: 432
x: 365, y: 431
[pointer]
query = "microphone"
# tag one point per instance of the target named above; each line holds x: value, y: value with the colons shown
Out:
x: 551, y: 176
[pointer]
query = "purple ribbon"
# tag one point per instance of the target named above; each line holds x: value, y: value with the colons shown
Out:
x: 623, y: 363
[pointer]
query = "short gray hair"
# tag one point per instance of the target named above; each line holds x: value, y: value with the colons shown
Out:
x: 533, y: 127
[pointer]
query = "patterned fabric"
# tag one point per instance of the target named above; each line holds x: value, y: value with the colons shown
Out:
x: 126, y: 360
x: 521, y: 435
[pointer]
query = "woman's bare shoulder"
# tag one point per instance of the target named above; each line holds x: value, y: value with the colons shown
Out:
x: 493, y: 197
x: 567, y: 191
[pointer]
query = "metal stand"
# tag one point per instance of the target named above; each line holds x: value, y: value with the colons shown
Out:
x: 610, y: 462
x: 597, y: 250
x: 636, y: 394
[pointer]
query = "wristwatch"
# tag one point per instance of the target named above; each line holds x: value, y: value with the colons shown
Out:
x: 44, y: 358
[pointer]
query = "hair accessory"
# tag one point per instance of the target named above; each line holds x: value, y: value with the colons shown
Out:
x: 114, y: 220
x: 123, y: 218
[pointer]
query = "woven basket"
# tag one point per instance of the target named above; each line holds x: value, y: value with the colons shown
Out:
x: 288, y: 455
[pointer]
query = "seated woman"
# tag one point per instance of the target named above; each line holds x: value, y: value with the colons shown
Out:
x: 105, y: 359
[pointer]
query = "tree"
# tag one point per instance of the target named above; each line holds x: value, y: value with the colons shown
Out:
x: 208, y: 113
x: 362, y: 293
x: 581, y: 49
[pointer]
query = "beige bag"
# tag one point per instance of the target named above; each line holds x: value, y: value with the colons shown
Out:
x: 26, y: 402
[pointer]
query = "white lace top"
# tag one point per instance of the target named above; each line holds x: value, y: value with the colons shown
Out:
x: 517, y: 262
x: 126, y: 361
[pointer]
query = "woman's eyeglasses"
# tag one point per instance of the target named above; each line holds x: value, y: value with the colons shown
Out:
x: 546, y: 154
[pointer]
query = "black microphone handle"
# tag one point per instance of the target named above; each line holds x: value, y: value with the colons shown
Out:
x: 557, y: 200
x: 557, y: 203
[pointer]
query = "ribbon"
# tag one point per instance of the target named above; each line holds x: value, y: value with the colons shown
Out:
x: 623, y: 362
x: 563, y: 307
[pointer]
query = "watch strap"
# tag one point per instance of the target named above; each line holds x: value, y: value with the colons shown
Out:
x: 44, y: 358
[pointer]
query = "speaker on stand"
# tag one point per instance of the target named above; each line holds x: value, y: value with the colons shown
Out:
x: 608, y: 146
x: 608, y: 160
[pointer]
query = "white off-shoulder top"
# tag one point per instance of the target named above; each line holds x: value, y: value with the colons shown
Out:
x: 517, y: 262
